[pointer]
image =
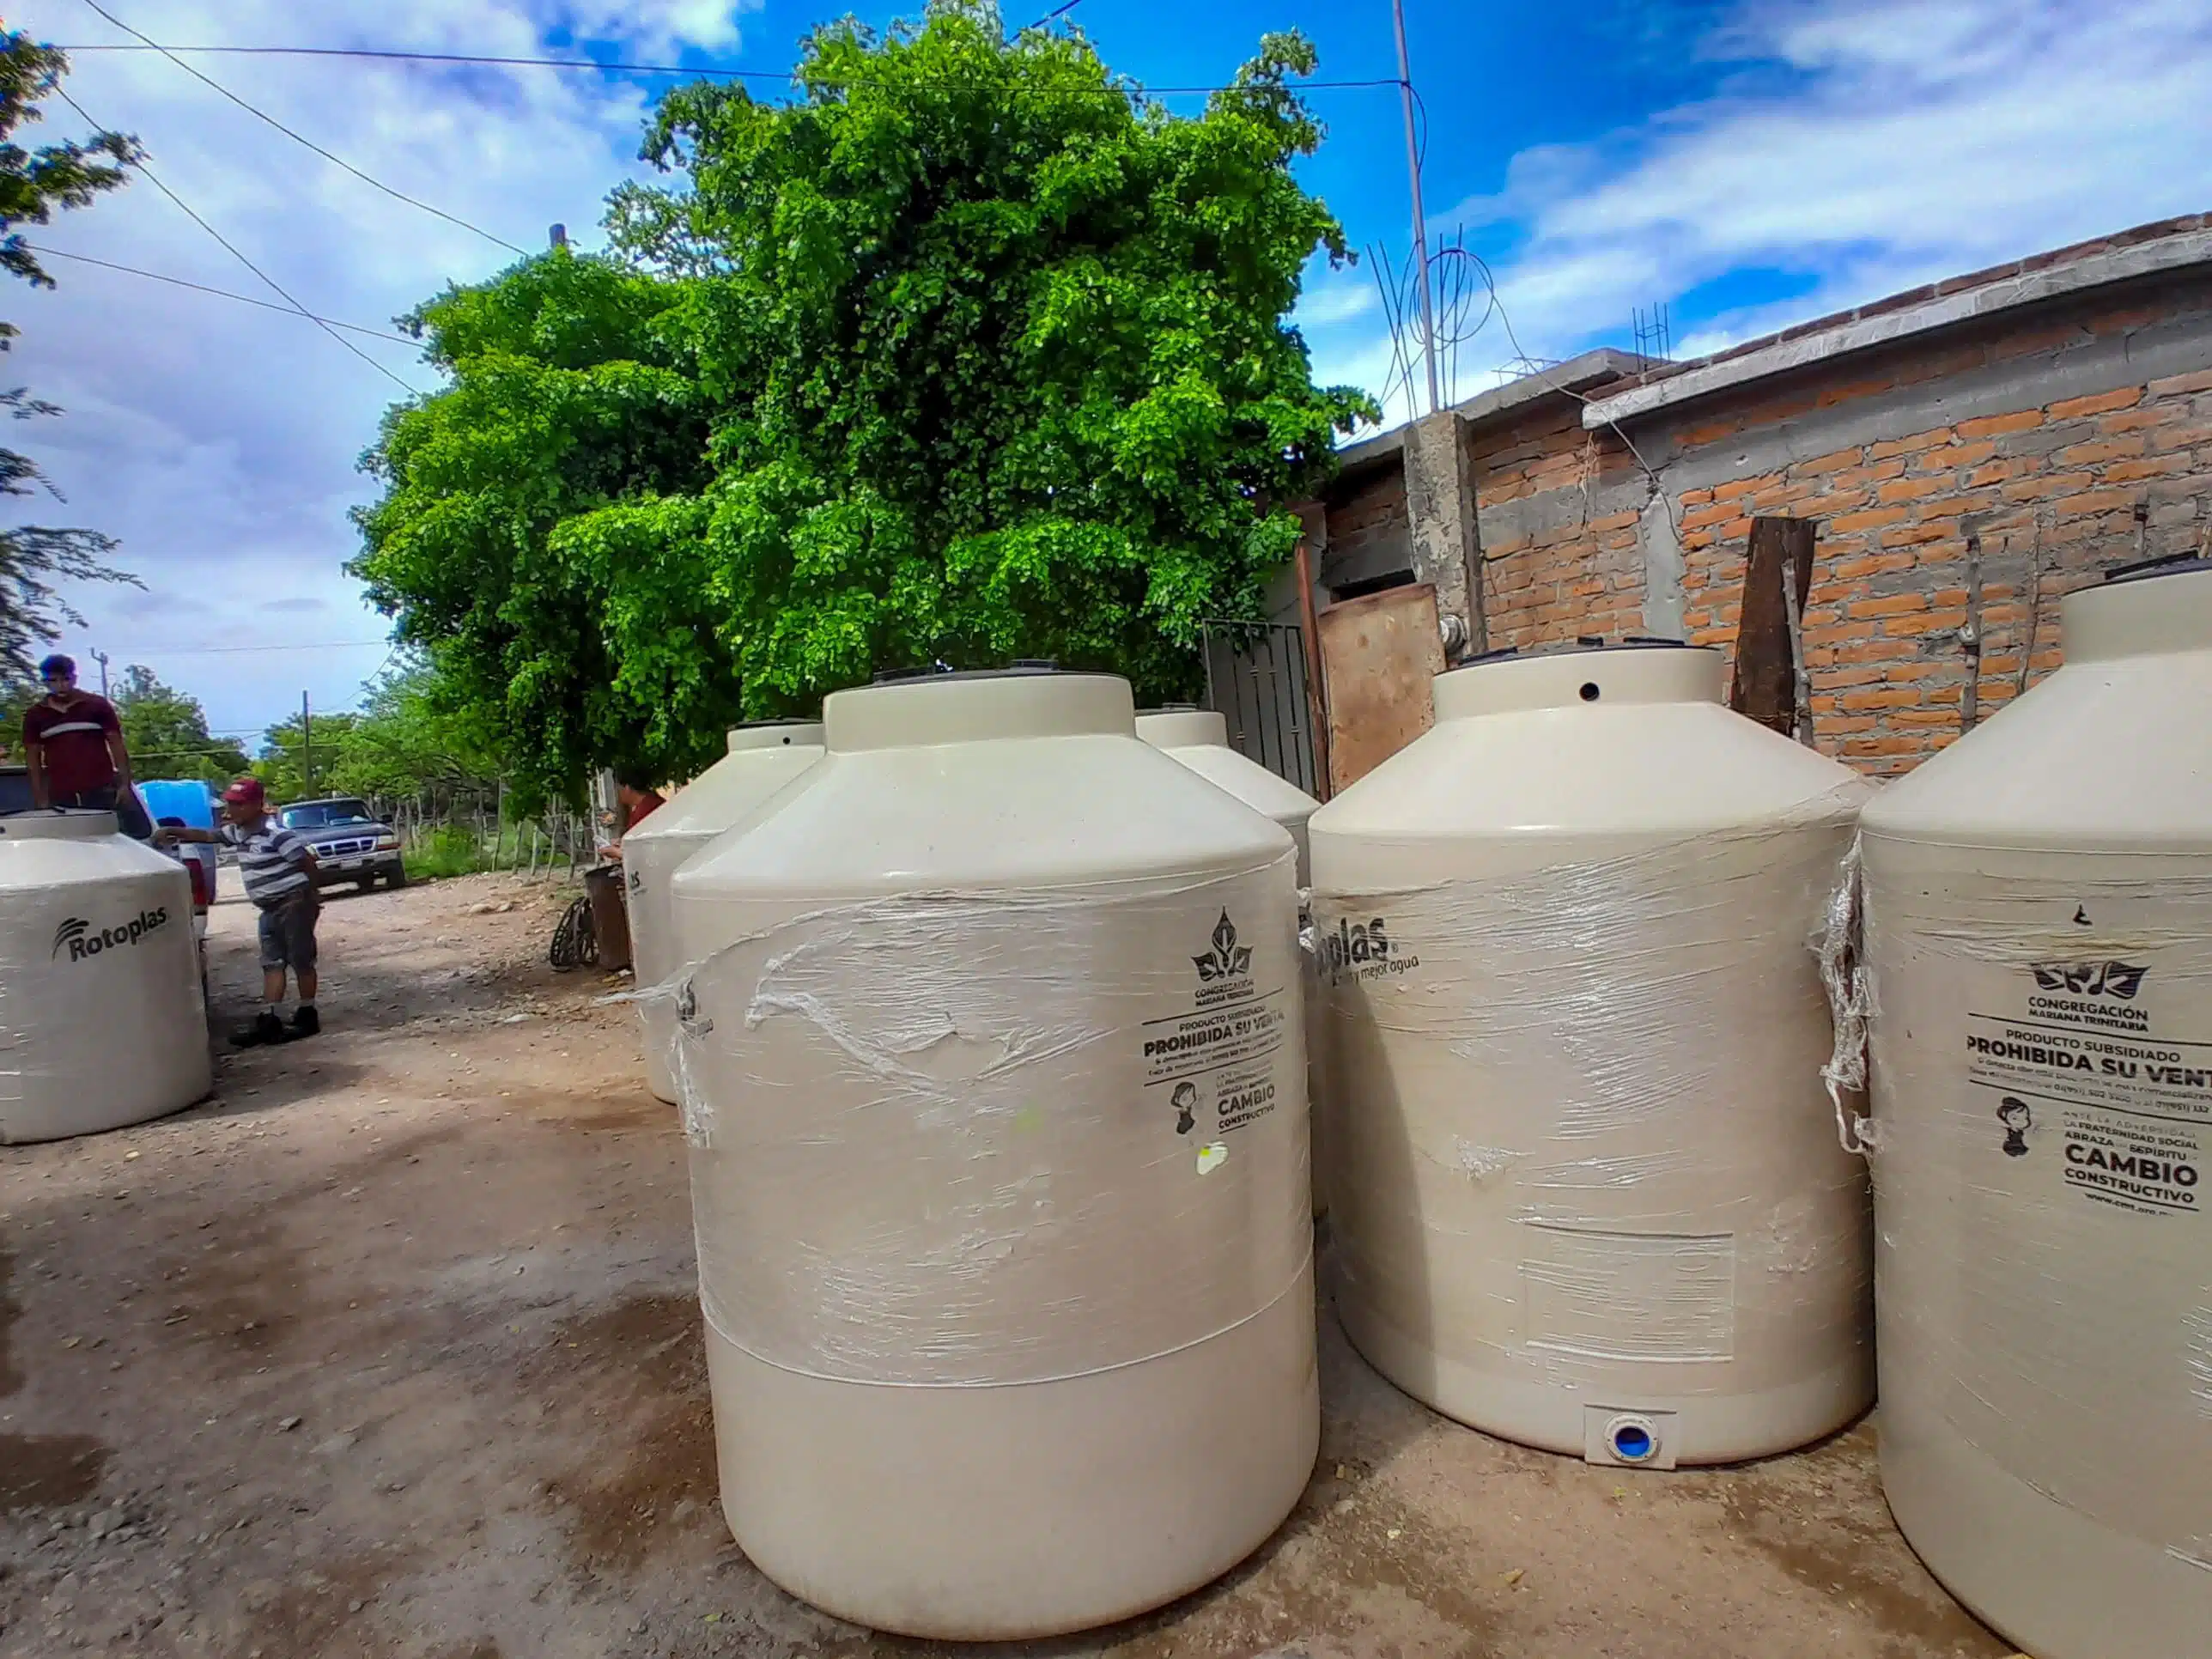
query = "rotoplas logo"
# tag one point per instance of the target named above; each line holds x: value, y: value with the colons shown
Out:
x: 76, y: 934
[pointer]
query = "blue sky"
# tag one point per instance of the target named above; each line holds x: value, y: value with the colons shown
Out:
x: 1745, y: 163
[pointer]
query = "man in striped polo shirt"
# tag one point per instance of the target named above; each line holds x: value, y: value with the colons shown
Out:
x: 278, y: 869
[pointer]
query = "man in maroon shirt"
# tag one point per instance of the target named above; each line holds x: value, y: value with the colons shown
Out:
x: 74, y: 744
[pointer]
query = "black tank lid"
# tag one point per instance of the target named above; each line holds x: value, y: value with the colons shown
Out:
x: 1582, y: 646
x: 2166, y: 564
x: 1020, y: 667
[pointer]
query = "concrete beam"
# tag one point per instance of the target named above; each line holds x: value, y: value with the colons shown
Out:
x: 2119, y: 264
x: 1440, y: 512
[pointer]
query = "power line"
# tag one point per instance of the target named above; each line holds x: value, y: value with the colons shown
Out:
x: 153, y: 180
x: 336, y: 160
x: 220, y: 293
x: 241, y: 650
x: 1060, y: 10
x: 692, y: 72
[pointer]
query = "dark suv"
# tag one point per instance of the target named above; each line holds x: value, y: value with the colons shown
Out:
x: 349, y: 844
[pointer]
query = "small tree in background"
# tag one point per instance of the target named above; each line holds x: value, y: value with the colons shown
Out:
x: 33, y: 184
x: 166, y: 732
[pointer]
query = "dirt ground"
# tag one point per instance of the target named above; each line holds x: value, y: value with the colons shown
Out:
x: 390, y: 1348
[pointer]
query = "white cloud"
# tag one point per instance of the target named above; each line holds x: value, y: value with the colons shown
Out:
x: 218, y: 441
x: 1860, y: 149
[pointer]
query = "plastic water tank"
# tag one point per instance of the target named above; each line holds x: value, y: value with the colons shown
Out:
x: 999, y: 1168
x: 1198, y: 738
x: 102, y: 1022
x: 1586, y: 1181
x: 764, y: 756
x: 2039, y: 928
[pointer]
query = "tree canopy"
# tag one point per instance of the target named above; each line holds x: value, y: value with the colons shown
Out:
x: 166, y: 732
x: 35, y: 184
x: 967, y: 352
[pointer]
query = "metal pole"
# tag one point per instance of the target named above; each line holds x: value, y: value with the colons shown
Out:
x: 1420, y: 217
x: 1316, y: 692
x: 100, y: 657
x: 307, y: 744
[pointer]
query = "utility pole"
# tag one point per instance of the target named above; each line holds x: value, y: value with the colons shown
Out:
x: 1420, y: 217
x: 100, y: 657
x: 307, y: 744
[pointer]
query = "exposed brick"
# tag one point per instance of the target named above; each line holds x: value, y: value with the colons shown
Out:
x: 1918, y: 440
x: 1995, y: 426
x: 2134, y: 420
x: 1897, y: 604
x: 1873, y: 519
x: 2095, y: 501
x: 1911, y: 489
x: 2152, y: 466
x: 2105, y: 449
x: 2180, y: 385
x: 1873, y: 472
x: 1894, y: 696
x: 2100, y: 403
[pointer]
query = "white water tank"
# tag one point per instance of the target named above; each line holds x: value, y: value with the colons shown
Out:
x: 2038, y: 929
x: 999, y: 1173
x: 101, y: 1021
x: 1586, y: 1182
x: 764, y: 756
x: 1198, y: 738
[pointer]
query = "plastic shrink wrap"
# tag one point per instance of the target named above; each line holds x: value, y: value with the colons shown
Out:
x: 1586, y: 1181
x: 993, y: 1074
x: 2038, y: 937
x: 101, y: 1021
x: 1198, y: 738
x: 763, y: 756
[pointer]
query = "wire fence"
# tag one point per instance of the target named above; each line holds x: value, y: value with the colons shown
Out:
x: 463, y: 837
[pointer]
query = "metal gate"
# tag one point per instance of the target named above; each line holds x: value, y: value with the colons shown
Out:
x: 1255, y: 678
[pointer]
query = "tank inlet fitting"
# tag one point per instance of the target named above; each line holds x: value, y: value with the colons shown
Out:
x: 1632, y: 1440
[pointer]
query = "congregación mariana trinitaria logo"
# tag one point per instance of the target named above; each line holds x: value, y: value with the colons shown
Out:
x: 1227, y: 959
x: 2091, y: 979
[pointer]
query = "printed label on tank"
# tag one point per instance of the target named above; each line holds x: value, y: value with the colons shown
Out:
x: 2076, y: 1070
x: 1211, y: 1071
x: 1363, y: 950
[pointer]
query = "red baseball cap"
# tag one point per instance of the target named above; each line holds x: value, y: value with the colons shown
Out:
x: 246, y: 792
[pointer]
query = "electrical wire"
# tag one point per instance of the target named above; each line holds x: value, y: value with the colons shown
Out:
x: 690, y: 71
x: 247, y: 650
x: 1060, y: 10
x: 299, y: 138
x: 153, y: 180
x: 219, y: 293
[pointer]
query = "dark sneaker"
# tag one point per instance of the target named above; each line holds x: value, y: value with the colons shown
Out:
x: 306, y: 1022
x: 266, y: 1029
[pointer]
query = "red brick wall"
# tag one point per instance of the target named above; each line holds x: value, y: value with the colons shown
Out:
x: 2055, y: 484
x: 1556, y: 568
x: 1368, y: 517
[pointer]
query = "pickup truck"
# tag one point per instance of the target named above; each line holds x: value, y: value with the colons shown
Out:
x: 347, y: 842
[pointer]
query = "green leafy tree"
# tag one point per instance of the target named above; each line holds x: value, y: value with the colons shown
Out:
x: 574, y: 389
x: 1002, y: 352
x: 292, y: 768
x: 35, y: 184
x: 166, y: 732
x: 418, y: 739
x: 983, y: 355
